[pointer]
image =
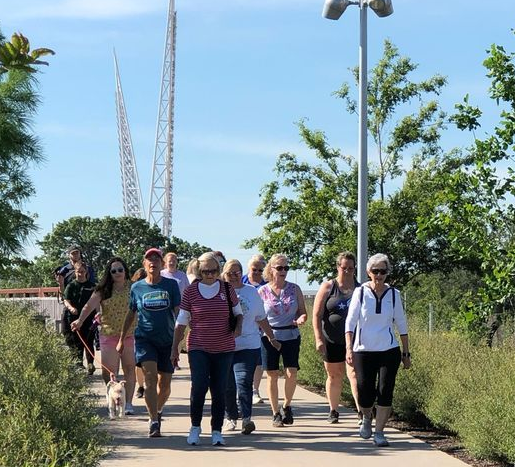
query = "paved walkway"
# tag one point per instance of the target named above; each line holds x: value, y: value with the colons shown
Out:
x: 309, y: 441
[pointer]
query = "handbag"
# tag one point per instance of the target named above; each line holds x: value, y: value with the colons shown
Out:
x: 232, y: 316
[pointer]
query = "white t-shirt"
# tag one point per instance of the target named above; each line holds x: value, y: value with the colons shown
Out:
x: 253, y: 311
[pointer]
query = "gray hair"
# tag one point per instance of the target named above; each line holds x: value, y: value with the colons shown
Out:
x: 256, y: 259
x: 379, y: 258
x: 209, y: 256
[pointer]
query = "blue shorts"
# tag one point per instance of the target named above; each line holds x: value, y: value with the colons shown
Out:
x: 146, y: 351
x: 289, y: 351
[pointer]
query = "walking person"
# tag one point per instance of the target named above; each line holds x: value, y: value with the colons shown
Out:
x: 247, y: 351
x: 76, y: 295
x: 140, y: 379
x: 206, y: 306
x: 156, y: 300
x: 286, y: 311
x: 375, y: 309
x: 170, y: 270
x: 113, y: 294
x: 329, y: 314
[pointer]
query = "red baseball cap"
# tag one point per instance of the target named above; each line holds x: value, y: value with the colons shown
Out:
x: 152, y: 251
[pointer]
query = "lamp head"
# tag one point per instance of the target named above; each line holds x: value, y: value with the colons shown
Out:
x: 333, y: 9
x: 381, y: 8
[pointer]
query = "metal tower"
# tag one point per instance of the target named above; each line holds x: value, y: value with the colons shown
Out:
x: 161, y: 189
x: 132, y: 201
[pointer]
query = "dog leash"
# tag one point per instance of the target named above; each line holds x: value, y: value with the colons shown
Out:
x: 111, y: 373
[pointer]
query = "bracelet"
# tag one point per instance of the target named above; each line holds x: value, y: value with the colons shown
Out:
x: 406, y: 355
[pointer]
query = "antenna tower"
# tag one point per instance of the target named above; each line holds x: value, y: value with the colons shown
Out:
x: 161, y: 189
x: 132, y: 201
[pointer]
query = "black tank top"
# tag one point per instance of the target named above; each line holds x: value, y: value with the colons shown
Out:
x: 335, y: 314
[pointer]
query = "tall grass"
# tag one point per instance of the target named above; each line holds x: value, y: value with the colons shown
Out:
x: 47, y: 417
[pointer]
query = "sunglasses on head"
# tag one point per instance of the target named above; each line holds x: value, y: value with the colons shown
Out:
x: 115, y: 270
x: 282, y: 268
x: 207, y: 272
x: 379, y: 271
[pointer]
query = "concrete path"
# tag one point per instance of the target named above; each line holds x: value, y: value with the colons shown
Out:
x: 309, y: 441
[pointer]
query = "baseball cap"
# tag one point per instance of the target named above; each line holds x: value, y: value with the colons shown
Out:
x: 152, y: 251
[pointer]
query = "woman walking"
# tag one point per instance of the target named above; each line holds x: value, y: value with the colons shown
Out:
x: 286, y: 311
x: 375, y: 309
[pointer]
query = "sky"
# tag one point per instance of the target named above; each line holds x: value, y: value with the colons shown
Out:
x: 246, y: 72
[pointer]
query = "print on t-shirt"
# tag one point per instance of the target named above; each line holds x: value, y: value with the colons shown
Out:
x: 156, y: 300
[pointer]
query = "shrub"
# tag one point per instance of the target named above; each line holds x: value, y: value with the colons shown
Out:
x: 46, y: 413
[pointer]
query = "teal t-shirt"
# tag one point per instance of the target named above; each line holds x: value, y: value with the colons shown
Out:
x: 155, y: 305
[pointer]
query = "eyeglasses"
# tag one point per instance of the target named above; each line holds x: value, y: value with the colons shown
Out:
x: 115, y: 270
x: 234, y: 273
x: 376, y: 272
x: 281, y: 268
x: 209, y: 272
x: 348, y: 269
x: 256, y: 270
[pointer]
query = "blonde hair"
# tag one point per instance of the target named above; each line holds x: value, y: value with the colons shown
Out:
x: 209, y: 256
x: 193, y: 268
x: 267, y: 273
x: 172, y: 254
x: 228, y: 265
x: 256, y: 259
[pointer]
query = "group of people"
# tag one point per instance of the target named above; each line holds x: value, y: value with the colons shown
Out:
x: 241, y: 325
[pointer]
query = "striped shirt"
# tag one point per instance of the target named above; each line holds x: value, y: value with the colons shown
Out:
x: 209, y: 319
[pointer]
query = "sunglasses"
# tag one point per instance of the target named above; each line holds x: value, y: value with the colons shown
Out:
x: 234, y: 273
x: 256, y: 270
x: 208, y: 272
x: 282, y: 268
x: 376, y: 272
x: 115, y: 270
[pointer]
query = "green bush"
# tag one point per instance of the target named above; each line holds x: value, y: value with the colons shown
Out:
x: 456, y: 385
x: 46, y: 413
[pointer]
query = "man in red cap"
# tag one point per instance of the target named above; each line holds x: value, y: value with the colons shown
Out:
x: 156, y: 299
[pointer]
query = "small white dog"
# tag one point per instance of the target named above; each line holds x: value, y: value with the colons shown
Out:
x: 116, y: 399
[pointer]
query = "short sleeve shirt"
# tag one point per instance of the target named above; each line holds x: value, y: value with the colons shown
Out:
x: 281, y: 310
x: 155, y: 304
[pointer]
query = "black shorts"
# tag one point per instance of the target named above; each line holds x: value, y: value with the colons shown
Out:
x: 289, y: 351
x: 334, y: 353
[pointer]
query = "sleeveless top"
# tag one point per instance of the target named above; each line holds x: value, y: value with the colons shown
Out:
x: 114, y: 310
x: 335, y: 313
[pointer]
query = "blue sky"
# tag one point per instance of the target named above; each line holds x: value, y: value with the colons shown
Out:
x: 247, y: 70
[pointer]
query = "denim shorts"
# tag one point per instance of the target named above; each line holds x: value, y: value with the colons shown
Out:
x: 289, y: 351
x: 146, y: 351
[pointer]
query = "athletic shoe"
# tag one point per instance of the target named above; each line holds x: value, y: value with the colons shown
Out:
x: 140, y: 392
x: 333, y: 416
x: 154, y: 430
x: 217, y: 439
x: 230, y: 425
x: 129, y: 409
x: 365, y: 430
x: 247, y: 426
x: 287, y: 415
x: 256, y: 398
x: 379, y: 440
x: 277, y: 421
x: 91, y: 369
x: 194, y: 437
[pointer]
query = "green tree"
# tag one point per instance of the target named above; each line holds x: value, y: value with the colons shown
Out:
x: 310, y: 210
x: 100, y: 239
x: 19, y: 147
x: 476, y: 206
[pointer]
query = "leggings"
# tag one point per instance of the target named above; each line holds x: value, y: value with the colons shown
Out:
x: 376, y: 372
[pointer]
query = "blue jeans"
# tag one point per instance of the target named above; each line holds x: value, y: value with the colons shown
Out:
x: 208, y: 371
x: 240, y: 382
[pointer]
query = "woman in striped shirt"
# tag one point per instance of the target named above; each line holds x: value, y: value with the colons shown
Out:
x: 205, y: 307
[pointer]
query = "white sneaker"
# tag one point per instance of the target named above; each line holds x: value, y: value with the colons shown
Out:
x: 217, y: 439
x: 129, y: 409
x: 230, y: 425
x: 194, y: 437
x: 256, y: 398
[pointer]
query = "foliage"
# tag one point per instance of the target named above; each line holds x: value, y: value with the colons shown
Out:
x: 476, y: 205
x: 19, y: 147
x: 47, y: 416
x: 310, y: 210
x: 185, y: 251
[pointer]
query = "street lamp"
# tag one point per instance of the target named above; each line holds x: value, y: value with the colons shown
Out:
x: 333, y: 9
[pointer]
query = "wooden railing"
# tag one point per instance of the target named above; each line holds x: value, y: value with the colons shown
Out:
x: 30, y: 292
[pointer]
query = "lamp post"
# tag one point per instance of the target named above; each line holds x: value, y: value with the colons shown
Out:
x: 333, y: 9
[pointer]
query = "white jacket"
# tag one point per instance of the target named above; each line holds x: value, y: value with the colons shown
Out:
x: 373, y: 318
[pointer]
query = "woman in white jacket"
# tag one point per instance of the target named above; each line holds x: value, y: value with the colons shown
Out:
x: 375, y: 309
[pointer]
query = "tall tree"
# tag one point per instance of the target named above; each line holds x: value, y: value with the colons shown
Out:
x: 19, y: 147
